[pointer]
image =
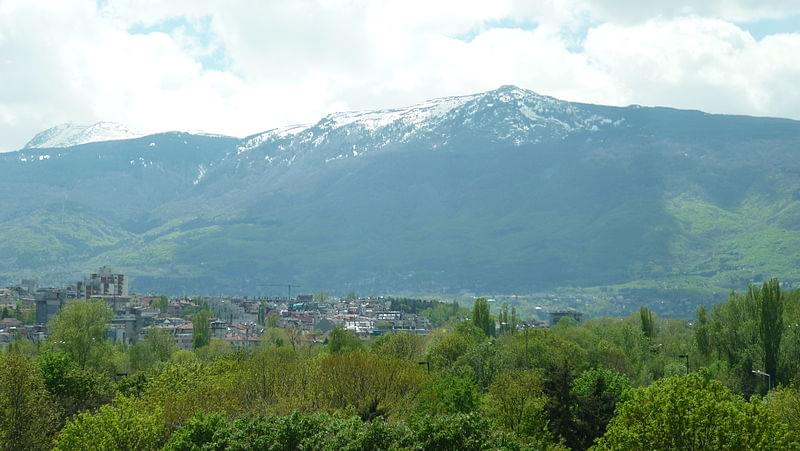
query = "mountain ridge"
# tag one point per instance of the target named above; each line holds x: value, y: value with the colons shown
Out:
x: 506, y: 190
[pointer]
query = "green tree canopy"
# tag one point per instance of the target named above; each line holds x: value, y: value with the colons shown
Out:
x: 74, y: 389
x: 341, y: 340
x: 125, y: 425
x: 596, y: 392
x: 79, y: 329
x: 693, y: 412
x: 482, y: 318
x: 157, y: 346
x: 201, y: 328
x: 27, y: 412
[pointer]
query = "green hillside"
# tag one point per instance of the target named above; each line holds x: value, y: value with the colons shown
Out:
x: 663, y: 206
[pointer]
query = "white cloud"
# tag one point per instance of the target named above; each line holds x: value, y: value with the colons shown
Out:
x: 699, y: 63
x: 293, y: 61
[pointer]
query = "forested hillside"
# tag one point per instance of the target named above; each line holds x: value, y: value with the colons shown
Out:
x: 504, y: 191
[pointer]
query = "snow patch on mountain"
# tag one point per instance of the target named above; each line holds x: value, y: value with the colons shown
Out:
x: 505, y: 115
x: 73, y: 134
x: 254, y: 141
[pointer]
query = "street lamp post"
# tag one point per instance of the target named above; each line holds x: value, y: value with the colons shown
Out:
x: 769, y: 378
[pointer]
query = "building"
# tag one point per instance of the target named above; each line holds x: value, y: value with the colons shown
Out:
x: 8, y: 297
x: 48, y: 302
x: 29, y: 286
x: 104, y: 283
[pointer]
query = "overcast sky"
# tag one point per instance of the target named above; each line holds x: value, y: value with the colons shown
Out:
x: 239, y: 67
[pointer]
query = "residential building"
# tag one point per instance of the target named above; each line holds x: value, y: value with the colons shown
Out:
x: 104, y: 283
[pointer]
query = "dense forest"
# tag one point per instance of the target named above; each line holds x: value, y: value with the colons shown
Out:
x: 726, y: 380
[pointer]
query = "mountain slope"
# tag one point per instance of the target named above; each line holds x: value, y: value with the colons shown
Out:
x: 505, y: 191
x: 73, y: 134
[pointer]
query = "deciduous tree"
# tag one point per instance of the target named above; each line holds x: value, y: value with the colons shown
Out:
x: 79, y: 329
x: 482, y: 318
x: 27, y: 412
x: 201, y: 329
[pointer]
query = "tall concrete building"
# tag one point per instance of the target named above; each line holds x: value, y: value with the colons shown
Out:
x: 48, y: 302
x: 104, y: 283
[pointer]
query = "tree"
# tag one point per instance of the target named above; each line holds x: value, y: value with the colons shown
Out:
x: 125, y: 425
x: 516, y: 401
x: 693, y: 412
x: 449, y: 394
x: 27, y: 413
x: 198, y: 431
x: 216, y: 348
x: 74, y: 389
x: 401, y: 345
x: 157, y: 346
x: 734, y: 337
x: 701, y: 332
x: 261, y: 314
x: 597, y: 393
x: 293, y: 432
x: 201, y: 328
x: 162, y: 304
x: 784, y: 404
x: 80, y: 330
x: 502, y: 318
x: 295, y: 335
x: 508, y: 322
x: 448, y: 347
x: 648, y: 325
x: 341, y: 340
x: 770, y: 325
x: 514, y: 319
x: 468, y: 432
x: 482, y: 318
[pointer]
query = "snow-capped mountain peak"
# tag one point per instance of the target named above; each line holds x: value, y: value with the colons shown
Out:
x: 508, y: 114
x: 73, y: 134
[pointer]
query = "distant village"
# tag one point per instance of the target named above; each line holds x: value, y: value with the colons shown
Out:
x: 25, y: 310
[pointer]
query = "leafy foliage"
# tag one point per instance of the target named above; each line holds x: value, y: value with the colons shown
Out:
x: 27, y: 412
x: 482, y: 318
x: 693, y: 412
x: 121, y: 426
x: 606, y: 383
x: 201, y: 329
x: 79, y: 329
x: 73, y: 388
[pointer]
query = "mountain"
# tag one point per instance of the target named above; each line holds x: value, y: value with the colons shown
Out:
x: 502, y: 191
x: 73, y: 134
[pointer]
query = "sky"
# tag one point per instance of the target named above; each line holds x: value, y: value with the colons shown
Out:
x: 240, y: 67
